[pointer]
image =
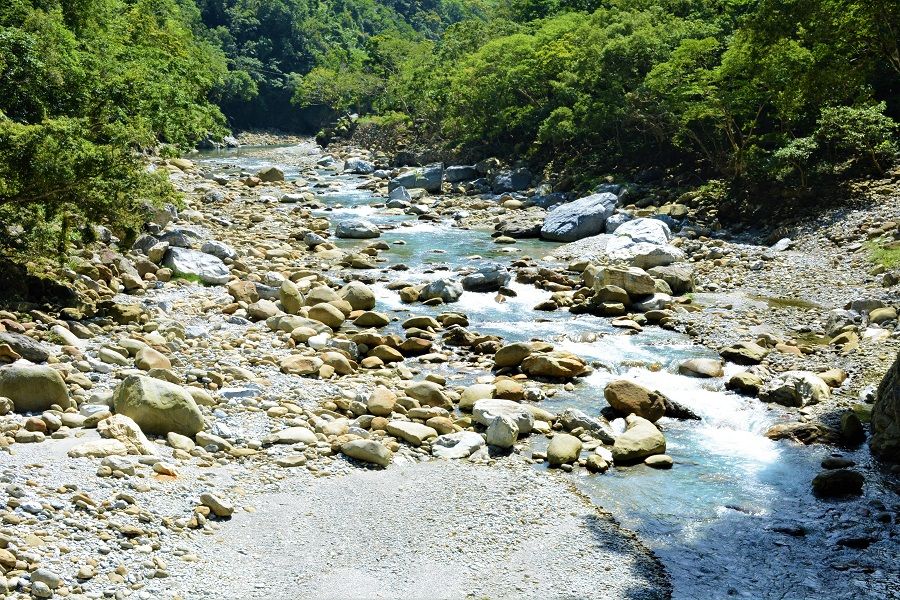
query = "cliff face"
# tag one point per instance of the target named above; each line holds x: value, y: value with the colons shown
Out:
x: 886, y: 416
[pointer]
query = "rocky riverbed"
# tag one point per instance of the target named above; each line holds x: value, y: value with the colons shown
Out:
x: 324, y: 376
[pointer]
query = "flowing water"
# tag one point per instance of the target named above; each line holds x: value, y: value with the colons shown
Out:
x: 711, y: 518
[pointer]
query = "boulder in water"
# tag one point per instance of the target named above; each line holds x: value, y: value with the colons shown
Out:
x: 640, y: 440
x: 579, y: 219
x: 428, y: 178
x: 357, y: 229
x: 446, y: 290
x: 627, y: 397
x: 487, y: 279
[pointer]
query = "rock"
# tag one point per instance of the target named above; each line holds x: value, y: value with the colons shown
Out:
x: 25, y: 347
x: 429, y: 393
x: 795, y: 388
x: 47, y: 577
x: 33, y: 388
x: 290, y: 297
x: 838, y: 482
x: 357, y: 229
x: 554, y: 365
x: 572, y: 418
x: 458, y: 173
x: 487, y: 279
x: 147, y: 358
x: 512, y: 355
x: 474, y: 393
x: 885, y: 441
x: 563, y: 449
x: 514, y: 180
x: 680, y: 277
x: 461, y: 444
x: 327, y: 314
x: 358, y: 166
x: 301, y: 365
x: 745, y: 383
x: 484, y: 411
x: 125, y: 430
x: 596, y: 464
x: 640, y: 440
x: 413, y: 433
x: 157, y: 406
x: 428, y: 178
x: 220, y: 250
x: 368, y: 451
x: 803, y: 433
x: 579, y: 219
x: 446, y: 290
x: 650, y: 231
x: 883, y: 315
x: 372, y: 319
x: 745, y: 353
x: 627, y: 397
x: 180, y: 442
x: 191, y: 263
x: 243, y: 291
x: 270, y: 175
x: 852, y: 430
x: 502, y: 432
x: 359, y: 295
x: 381, y: 402
x: 98, y: 449
x: 400, y: 194
x: 659, y: 461
x: 293, y: 435
x: 636, y: 282
x: 701, y: 367
x: 219, y: 507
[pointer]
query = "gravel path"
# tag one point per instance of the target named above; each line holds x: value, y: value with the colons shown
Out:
x: 427, y: 530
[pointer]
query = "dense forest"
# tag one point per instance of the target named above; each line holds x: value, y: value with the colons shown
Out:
x: 787, y: 94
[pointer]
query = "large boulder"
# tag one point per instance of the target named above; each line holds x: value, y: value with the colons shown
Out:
x: 359, y: 295
x: 220, y: 250
x: 358, y: 166
x: 514, y: 180
x: 461, y: 444
x: 680, y: 277
x: 445, y: 289
x: 271, y: 174
x: 191, y: 263
x: 745, y: 353
x: 795, y: 388
x: 356, y: 229
x: 503, y: 432
x: 635, y: 281
x: 579, y: 219
x: 457, y: 173
x: 650, y: 231
x: 484, y: 412
x: 885, y: 440
x: 33, y: 388
x: 627, y: 397
x: 25, y: 347
x: 157, y: 406
x: 487, y: 279
x: 640, y: 440
x: 428, y: 178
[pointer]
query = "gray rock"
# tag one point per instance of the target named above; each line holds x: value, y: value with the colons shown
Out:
x: 25, y: 347
x: 448, y: 291
x: 503, y: 432
x: 487, y: 279
x: 357, y: 229
x: 401, y: 194
x: 358, y: 166
x: 271, y: 174
x: 484, y: 411
x: 457, y: 173
x: 33, y: 388
x: 615, y: 221
x: 368, y: 451
x: 885, y: 440
x: 515, y: 180
x: 218, y: 249
x: 206, y: 267
x: 157, y: 406
x: 428, y: 178
x: 579, y: 219
x: 795, y: 388
x: 680, y: 277
x: 461, y: 444
x: 572, y: 418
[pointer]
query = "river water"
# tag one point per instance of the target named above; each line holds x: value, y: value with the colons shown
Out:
x: 712, y: 518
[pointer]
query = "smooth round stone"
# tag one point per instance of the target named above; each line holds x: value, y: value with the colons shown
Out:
x: 659, y: 461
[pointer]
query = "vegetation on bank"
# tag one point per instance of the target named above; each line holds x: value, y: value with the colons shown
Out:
x: 779, y: 96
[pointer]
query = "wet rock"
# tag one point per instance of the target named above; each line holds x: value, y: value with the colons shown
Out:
x: 659, y: 461
x: 487, y: 279
x: 640, y: 440
x: 192, y: 263
x: 484, y: 411
x: 627, y: 397
x: 852, y: 430
x: 157, y: 407
x: 804, y: 433
x: 701, y: 367
x: 563, y: 448
x: 553, y: 365
x: 368, y: 451
x: 357, y: 229
x: 837, y: 483
x: 446, y: 290
x: 33, y: 388
x: 512, y: 355
x: 579, y: 219
x: 795, y: 388
x: 502, y: 432
x: 745, y: 353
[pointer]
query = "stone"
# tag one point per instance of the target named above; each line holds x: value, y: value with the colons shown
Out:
x: 646, y: 230
x: 243, y: 291
x: 381, y: 402
x: 640, y: 440
x: 47, y: 577
x: 386, y: 354
x: 659, y: 461
x: 502, y: 432
x: 852, y: 430
x: 220, y: 250
x: 125, y: 430
x: 157, y: 406
x: 301, y: 365
x: 293, y: 435
x: 599, y: 427
x: 885, y: 440
x: 458, y: 173
x: 429, y: 393
x: 98, y: 449
x: 745, y: 382
x: 290, y: 297
x: 837, y: 483
x: 484, y: 411
x: 24, y: 346
x: 262, y: 310
x: 680, y: 277
x: 358, y: 166
x: 795, y: 388
x: 487, y: 279
x: 883, y: 315
x: 474, y: 393
x: 446, y: 290
x: 327, y: 314
x: 563, y: 449
x: 579, y: 219
x: 33, y: 388
x: 428, y: 178
x: 180, y: 442
x: 147, y: 358
x: 358, y: 295
x: 635, y: 281
x: 368, y: 451
x: 461, y: 444
x: 270, y: 175
x: 553, y: 365
x: 701, y: 367
x: 372, y: 319
x: 513, y: 180
x: 192, y: 263
x: 511, y: 355
x: 627, y: 397
x: 413, y: 433
x: 357, y: 229
x: 745, y: 353
x: 219, y: 506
